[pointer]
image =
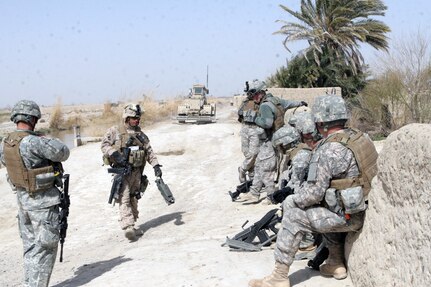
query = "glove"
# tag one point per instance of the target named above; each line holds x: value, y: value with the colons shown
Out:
x: 304, y: 104
x: 157, y: 170
x: 118, y: 158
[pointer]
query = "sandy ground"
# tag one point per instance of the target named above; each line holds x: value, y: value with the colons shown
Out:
x: 181, y: 245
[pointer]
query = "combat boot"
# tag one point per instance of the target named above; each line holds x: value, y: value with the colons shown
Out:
x: 249, y: 197
x: 241, y: 175
x: 334, y: 265
x: 278, y: 278
x: 138, y: 232
x: 130, y: 233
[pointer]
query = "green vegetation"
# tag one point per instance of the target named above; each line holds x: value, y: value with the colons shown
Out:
x: 334, y: 30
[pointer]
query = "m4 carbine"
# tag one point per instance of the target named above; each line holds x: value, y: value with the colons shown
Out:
x: 120, y: 173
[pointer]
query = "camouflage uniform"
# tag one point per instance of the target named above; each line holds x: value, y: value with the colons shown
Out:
x: 297, y: 171
x: 305, y: 212
x: 128, y: 203
x: 251, y: 135
x: 38, y: 212
x: 266, y: 162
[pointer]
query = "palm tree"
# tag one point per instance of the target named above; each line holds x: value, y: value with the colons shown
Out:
x: 337, y: 27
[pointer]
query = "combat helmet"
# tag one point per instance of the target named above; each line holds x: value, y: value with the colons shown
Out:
x: 24, y: 110
x: 132, y: 110
x: 290, y: 116
x: 330, y: 108
x: 286, y: 137
x: 305, y: 125
x: 254, y: 87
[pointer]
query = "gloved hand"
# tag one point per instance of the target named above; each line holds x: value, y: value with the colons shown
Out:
x: 118, y: 158
x: 304, y: 104
x: 157, y: 170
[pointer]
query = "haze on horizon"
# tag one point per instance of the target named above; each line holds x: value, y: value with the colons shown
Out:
x: 98, y: 51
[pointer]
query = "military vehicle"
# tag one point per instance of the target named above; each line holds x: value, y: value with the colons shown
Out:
x: 196, y: 108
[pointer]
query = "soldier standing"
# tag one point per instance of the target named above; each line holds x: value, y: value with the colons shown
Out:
x: 251, y: 136
x: 29, y: 160
x: 342, y: 166
x: 270, y: 118
x: 130, y: 136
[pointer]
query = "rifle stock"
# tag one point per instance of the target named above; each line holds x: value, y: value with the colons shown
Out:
x: 242, y: 188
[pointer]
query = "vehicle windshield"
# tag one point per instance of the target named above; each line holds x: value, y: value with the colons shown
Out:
x: 198, y: 91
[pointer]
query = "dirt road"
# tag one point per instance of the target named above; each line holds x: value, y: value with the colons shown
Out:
x: 181, y: 243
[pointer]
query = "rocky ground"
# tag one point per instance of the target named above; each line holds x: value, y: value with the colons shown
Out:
x: 181, y: 245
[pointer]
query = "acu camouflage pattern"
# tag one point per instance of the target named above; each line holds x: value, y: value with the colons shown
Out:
x: 265, y: 170
x: 38, y: 213
x: 305, y: 123
x: 297, y: 170
x: 25, y: 107
x: 128, y: 204
x: 286, y: 136
x: 328, y: 108
x: 250, y: 143
x: 304, y: 211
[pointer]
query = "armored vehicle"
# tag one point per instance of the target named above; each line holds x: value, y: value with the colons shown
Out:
x: 196, y: 108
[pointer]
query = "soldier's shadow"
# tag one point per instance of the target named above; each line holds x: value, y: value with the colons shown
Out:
x: 302, y: 275
x: 177, y: 217
x: 88, y: 272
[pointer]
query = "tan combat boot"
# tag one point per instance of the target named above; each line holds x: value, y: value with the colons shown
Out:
x: 278, y: 278
x: 130, y: 233
x: 249, y: 198
x: 334, y: 265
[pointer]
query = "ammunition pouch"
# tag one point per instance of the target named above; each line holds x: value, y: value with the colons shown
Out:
x: 137, y: 157
x: 144, y: 184
x: 106, y: 160
x: 250, y: 116
x: 347, y: 201
x: 45, y: 180
x: 353, y: 199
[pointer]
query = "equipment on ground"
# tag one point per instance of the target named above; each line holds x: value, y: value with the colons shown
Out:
x: 196, y: 108
x: 265, y: 230
x: 242, y: 188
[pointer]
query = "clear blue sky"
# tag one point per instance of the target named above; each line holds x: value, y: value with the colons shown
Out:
x: 95, y: 51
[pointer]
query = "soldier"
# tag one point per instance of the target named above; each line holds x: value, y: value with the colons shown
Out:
x: 130, y: 136
x: 270, y: 117
x: 342, y: 166
x: 251, y: 136
x: 29, y: 160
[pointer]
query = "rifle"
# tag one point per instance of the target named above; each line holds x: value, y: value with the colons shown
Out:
x: 120, y: 173
x: 165, y: 191
x: 64, y: 212
x: 242, y: 188
x: 322, y: 253
x: 243, y: 241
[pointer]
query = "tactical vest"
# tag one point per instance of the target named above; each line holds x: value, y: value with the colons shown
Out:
x: 19, y: 175
x: 136, y: 157
x: 278, y: 113
x: 301, y: 146
x: 249, y: 111
x: 366, y: 157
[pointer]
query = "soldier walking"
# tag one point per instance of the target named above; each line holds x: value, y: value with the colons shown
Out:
x: 114, y: 145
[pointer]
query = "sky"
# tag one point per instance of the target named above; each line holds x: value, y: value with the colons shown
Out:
x: 83, y: 52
